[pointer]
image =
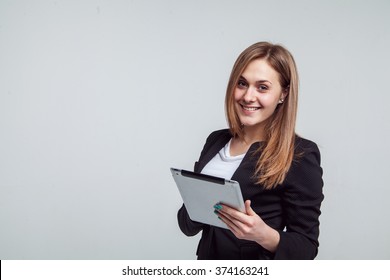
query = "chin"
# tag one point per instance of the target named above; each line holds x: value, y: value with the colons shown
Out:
x: 248, y: 124
x: 253, y: 124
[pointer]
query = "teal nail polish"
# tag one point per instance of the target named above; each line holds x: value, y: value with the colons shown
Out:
x: 216, y: 212
x: 218, y: 206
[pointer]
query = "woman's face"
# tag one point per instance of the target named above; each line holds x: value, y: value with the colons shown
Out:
x: 257, y: 94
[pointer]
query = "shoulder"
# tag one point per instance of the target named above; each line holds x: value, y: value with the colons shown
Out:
x: 306, y: 167
x: 304, y: 144
x: 222, y: 133
x: 217, y: 139
x: 304, y: 183
x: 305, y: 147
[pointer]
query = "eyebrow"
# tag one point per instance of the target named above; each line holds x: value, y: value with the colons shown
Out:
x: 257, y: 82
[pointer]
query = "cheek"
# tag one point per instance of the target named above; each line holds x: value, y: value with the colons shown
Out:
x: 237, y: 95
x: 268, y: 101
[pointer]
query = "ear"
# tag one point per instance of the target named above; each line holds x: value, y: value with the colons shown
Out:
x: 284, y: 95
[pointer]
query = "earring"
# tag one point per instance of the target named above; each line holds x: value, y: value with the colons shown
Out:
x: 281, y: 101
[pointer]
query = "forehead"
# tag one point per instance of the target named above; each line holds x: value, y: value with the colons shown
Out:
x: 259, y: 69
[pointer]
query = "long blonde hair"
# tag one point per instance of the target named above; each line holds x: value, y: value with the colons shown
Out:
x: 277, y: 153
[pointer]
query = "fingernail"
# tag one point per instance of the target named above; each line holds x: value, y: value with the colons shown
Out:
x: 217, y: 206
x: 216, y: 212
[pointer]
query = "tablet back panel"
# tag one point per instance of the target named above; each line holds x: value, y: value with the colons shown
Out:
x: 201, y: 192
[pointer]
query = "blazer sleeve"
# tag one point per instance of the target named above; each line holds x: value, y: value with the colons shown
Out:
x: 188, y: 226
x: 302, y: 197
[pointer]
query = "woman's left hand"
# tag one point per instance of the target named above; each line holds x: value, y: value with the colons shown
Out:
x: 248, y: 226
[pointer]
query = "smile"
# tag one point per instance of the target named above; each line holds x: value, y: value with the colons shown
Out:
x: 251, y: 109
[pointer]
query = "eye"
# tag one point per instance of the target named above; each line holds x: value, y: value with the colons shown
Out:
x: 242, y: 84
x: 262, y: 88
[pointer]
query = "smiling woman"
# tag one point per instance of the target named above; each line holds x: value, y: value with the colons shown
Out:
x: 279, y: 172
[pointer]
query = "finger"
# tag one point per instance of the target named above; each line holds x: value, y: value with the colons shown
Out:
x: 239, y: 221
x: 232, y: 221
x: 236, y: 227
x: 233, y: 213
x: 249, y: 209
x: 232, y: 224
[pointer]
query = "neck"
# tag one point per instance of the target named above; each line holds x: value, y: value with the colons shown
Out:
x: 254, y: 134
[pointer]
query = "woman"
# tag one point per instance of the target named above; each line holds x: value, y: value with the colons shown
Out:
x: 279, y: 172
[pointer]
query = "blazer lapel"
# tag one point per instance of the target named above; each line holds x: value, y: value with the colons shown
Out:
x: 211, y: 148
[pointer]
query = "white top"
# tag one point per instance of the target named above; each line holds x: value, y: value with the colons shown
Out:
x: 223, y: 165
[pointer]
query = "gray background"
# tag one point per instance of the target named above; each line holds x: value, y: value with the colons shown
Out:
x: 99, y: 98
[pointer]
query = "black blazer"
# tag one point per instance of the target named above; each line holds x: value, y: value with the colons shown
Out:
x: 292, y: 208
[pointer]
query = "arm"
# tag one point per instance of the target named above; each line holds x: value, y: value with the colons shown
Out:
x: 302, y: 199
x: 187, y: 226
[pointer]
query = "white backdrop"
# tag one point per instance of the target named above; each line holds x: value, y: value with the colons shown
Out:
x: 99, y: 98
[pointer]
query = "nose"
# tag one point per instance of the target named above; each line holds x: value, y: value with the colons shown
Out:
x: 249, y: 96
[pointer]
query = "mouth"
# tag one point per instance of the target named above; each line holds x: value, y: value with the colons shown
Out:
x: 250, y: 109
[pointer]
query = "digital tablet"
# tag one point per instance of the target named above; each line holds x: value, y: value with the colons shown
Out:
x: 201, y: 192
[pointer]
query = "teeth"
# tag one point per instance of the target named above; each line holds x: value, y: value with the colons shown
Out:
x: 251, y: 108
